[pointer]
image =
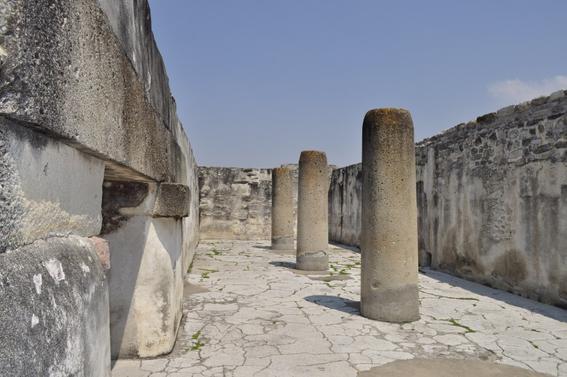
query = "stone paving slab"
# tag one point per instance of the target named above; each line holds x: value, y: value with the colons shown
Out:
x: 251, y: 314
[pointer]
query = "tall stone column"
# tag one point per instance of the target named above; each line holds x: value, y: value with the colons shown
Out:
x: 388, y: 239
x: 312, y: 212
x: 282, y: 209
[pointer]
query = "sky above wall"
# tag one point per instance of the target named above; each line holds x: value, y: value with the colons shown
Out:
x: 256, y: 81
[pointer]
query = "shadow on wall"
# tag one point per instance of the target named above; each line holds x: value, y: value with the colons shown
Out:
x: 144, y: 284
x: 122, y: 278
x: 146, y: 275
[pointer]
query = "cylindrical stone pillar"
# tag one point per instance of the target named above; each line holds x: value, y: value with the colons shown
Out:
x: 388, y: 239
x: 312, y: 212
x: 282, y: 209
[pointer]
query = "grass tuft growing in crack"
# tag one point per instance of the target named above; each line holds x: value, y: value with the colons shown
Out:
x: 454, y: 322
x: 196, y: 343
x: 205, y: 274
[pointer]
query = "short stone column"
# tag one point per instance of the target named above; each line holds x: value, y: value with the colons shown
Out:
x: 282, y: 209
x: 388, y: 240
x: 312, y: 212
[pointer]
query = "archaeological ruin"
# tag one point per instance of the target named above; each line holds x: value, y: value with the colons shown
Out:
x: 120, y: 256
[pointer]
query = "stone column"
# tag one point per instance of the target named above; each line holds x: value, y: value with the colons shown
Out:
x: 282, y: 209
x: 312, y: 212
x: 388, y: 239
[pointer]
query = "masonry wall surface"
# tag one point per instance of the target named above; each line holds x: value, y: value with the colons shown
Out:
x: 235, y: 203
x: 492, y: 200
x: 345, y: 210
x: 85, y: 102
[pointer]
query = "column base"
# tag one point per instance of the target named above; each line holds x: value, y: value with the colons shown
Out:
x: 316, y: 261
x: 396, y: 305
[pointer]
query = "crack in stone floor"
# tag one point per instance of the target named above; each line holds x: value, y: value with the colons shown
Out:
x: 256, y: 316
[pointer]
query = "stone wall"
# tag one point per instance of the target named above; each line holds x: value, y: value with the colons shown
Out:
x: 492, y: 200
x: 235, y: 203
x: 90, y: 145
x: 345, y: 195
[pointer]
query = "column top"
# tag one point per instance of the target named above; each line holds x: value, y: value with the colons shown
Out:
x: 313, y: 156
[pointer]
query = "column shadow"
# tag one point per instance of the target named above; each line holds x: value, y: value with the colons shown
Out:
x: 341, y: 304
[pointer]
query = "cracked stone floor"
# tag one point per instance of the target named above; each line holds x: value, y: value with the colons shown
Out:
x: 256, y: 316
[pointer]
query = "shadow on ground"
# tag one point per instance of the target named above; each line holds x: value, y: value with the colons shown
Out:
x: 292, y: 267
x: 258, y: 246
x: 341, y: 304
x: 497, y: 294
x: 356, y: 249
x: 283, y: 264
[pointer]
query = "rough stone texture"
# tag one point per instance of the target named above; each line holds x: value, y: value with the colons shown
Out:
x: 254, y: 316
x: 282, y: 210
x: 85, y: 101
x: 235, y: 203
x: 345, y: 210
x: 61, y: 64
x: 131, y: 23
x: 172, y: 200
x: 188, y: 175
x: 102, y: 251
x: 54, y: 310
x: 229, y: 209
x: 47, y: 188
x: 492, y: 200
x: 388, y: 241
x: 312, y: 212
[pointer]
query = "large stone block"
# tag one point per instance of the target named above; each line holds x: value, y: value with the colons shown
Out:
x: 54, y: 310
x: 47, y: 188
x: 147, y: 268
x: 65, y: 71
x: 146, y: 286
x: 172, y: 200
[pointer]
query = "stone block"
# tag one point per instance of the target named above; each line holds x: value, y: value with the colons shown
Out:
x: 54, y: 310
x: 172, y: 200
x: 79, y: 81
x: 47, y: 188
x: 146, y: 286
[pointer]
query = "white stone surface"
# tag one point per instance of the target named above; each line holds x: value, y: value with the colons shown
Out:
x: 50, y: 188
x: 262, y: 318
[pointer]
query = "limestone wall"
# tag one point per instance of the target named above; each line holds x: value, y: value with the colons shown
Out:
x: 235, y: 203
x: 88, y: 134
x: 492, y: 200
x: 345, y: 194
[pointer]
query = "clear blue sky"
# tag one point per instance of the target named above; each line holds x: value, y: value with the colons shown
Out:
x: 258, y: 81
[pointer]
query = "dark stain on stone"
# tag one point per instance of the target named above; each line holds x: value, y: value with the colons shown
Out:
x: 510, y: 267
x: 117, y: 195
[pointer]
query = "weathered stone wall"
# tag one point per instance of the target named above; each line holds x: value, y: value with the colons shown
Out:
x: 85, y: 106
x: 235, y: 203
x: 492, y: 200
x: 345, y: 195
